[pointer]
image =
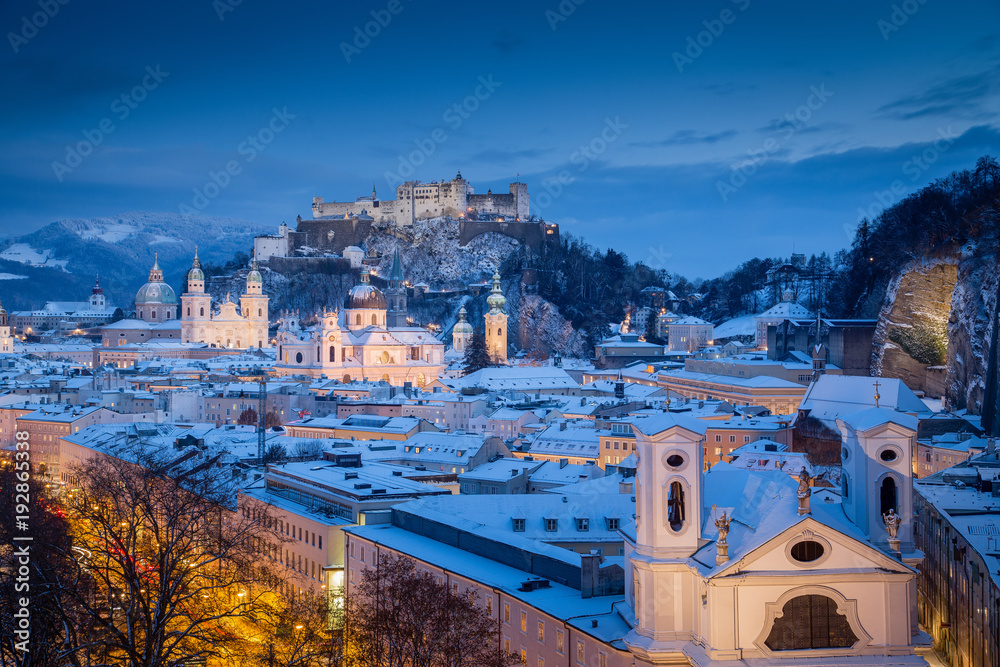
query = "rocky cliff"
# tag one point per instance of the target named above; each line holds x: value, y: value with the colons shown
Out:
x: 935, y: 327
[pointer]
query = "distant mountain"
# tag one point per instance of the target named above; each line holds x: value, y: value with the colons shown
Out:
x: 60, y: 260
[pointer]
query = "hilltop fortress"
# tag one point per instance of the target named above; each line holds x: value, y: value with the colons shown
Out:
x: 339, y: 228
x: 415, y: 201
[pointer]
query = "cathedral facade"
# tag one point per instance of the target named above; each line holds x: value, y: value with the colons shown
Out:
x: 368, y: 341
x: 229, y: 327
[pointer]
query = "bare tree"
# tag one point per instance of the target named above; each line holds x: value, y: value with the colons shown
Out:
x: 398, y: 617
x: 248, y: 417
x: 177, y: 572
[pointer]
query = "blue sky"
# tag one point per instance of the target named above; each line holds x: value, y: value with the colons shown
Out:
x: 691, y: 136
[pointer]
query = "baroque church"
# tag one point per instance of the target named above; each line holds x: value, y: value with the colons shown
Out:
x: 738, y: 567
x: 370, y: 340
x: 159, y: 316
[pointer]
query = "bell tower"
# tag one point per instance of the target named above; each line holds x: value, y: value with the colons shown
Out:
x: 877, y: 473
x: 461, y: 333
x: 6, y: 340
x: 496, y: 323
x: 196, y: 305
x: 669, y: 505
x: 253, y: 307
x: 395, y: 295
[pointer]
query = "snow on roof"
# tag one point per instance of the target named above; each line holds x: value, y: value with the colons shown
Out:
x: 745, y: 325
x: 653, y: 424
x: 866, y: 420
x: 833, y: 396
x: 784, y: 310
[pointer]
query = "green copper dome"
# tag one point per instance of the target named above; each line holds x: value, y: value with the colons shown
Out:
x: 496, y: 300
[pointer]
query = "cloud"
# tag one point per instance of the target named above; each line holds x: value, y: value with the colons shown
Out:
x: 960, y: 96
x: 686, y: 137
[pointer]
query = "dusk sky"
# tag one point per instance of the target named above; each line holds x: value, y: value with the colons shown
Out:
x: 659, y: 129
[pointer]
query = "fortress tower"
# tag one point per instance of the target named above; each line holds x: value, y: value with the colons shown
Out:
x: 496, y: 323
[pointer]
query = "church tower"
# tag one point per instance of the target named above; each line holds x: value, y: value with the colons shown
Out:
x: 396, y: 294
x: 196, y: 305
x: 6, y: 340
x: 461, y: 333
x: 496, y: 323
x: 253, y: 307
x: 97, y: 295
x: 669, y: 515
x: 877, y: 473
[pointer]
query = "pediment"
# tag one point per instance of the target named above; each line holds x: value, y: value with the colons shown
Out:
x: 831, y: 550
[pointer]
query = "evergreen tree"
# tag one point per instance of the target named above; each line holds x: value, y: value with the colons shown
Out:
x: 476, y: 354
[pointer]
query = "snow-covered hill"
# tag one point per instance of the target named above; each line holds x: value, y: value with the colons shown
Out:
x: 61, y: 259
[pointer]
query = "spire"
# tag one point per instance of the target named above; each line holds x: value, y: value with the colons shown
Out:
x: 97, y: 289
x: 496, y: 300
x: 374, y: 196
x: 196, y: 264
x: 396, y: 272
x: 155, y: 274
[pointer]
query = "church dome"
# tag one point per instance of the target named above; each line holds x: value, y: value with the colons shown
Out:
x: 254, y: 275
x: 196, y: 273
x: 156, y: 291
x: 462, y: 326
x: 365, y: 295
x: 496, y: 300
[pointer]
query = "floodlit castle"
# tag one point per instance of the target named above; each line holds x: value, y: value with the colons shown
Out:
x: 229, y: 327
x: 369, y: 340
x: 416, y: 200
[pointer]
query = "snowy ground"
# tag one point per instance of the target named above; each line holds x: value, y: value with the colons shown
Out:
x: 22, y: 253
x: 12, y: 276
x: 738, y: 326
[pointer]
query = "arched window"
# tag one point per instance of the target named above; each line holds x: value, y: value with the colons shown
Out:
x: 385, y: 377
x: 140, y: 314
x: 421, y: 380
x: 888, y: 495
x: 810, y: 621
x: 499, y: 332
x: 152, y: 313
x: 318, y: 357
x: 298, y: 357
x: 845, y: 483
x: 675, y: 506
x: 347, y: 377
x: 202, y: 313
x: 333, y: 353
x: 357, y: 319
x: 189, y: 311
x: 374, y: 319
x: 260, y: 312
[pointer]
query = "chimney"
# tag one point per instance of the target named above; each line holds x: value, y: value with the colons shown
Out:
x: 562, y: 426
x: 563, y: 463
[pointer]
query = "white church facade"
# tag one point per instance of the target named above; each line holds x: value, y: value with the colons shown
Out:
x: 721, y: 567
